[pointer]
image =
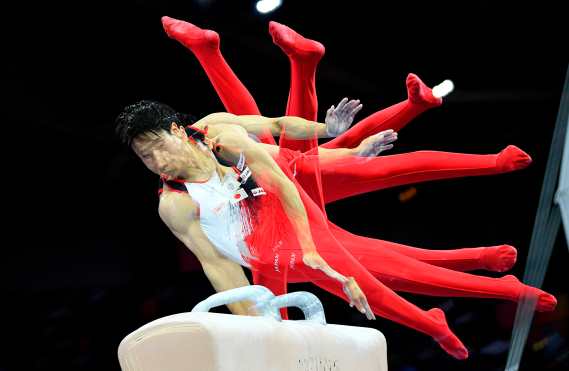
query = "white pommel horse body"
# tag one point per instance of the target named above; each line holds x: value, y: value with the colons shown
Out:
x: 203, y: 341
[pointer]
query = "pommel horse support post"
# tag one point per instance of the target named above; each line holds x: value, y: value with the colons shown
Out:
x: 204, y: 341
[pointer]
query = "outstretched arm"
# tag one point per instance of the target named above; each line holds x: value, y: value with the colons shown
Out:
x: 338, y: 119
x: 180, y: 213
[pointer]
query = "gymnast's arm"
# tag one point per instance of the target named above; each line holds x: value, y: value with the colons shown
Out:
x: 338, y: 119
x: 181, y: 215
x: 369, y: 147
x: 295, y: 127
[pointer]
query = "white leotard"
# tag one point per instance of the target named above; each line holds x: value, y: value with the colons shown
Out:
x: 222, y: 217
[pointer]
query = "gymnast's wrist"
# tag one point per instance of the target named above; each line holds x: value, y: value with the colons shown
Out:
x: 324, y: 132
x: 337, y: 275
x: 327, y: 133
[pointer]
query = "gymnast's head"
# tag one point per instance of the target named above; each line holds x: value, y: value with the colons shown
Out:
x: 156, y: 134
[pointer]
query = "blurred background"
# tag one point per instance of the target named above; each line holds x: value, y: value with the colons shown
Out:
x: 92, y: 261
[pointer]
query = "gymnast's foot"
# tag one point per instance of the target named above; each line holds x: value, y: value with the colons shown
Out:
x: 375, y: 144
x: 499, y: 258
x: 419, y: 93
x: 294, y: 44
x: 190, y: 36
x: 448, y: 341
x: 512, y: 158
x: 544, y: 302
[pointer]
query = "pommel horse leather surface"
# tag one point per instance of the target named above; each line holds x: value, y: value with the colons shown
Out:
x: 224, y: 342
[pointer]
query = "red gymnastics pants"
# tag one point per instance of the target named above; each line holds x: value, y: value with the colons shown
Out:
x: 430, y: 272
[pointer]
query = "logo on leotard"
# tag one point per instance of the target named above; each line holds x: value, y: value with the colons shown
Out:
x: 240, y: 195
x: 292, y: 260
x: 244, y: 176
x: 241, y: 162
x: 258, y: 191
x: 276, y: 263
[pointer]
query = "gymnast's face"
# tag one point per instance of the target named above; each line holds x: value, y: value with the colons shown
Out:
x: 166, y: 153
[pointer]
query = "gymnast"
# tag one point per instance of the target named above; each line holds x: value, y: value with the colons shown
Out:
x: 232, y: 204
x: 340, y: 180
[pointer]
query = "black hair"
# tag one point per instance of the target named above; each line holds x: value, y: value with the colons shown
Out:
x: 147, y: 116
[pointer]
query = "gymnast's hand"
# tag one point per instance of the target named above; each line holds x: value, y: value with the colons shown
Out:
x: 313, y: 260
x: 340, y: 118
x: 377, y: 143
x: 357, y: 297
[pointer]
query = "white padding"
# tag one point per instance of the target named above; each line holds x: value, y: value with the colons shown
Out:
x: 223, y: 342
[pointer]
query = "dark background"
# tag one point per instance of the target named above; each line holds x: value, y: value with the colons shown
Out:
x: 92, y: 261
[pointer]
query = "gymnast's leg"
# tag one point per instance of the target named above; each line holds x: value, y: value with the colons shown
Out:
x: 402, y: 273
x: 204, y: 44
x: 304, y: 55
x: 493, y: 258
x: 353, y: 176
x: 420, y: 98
